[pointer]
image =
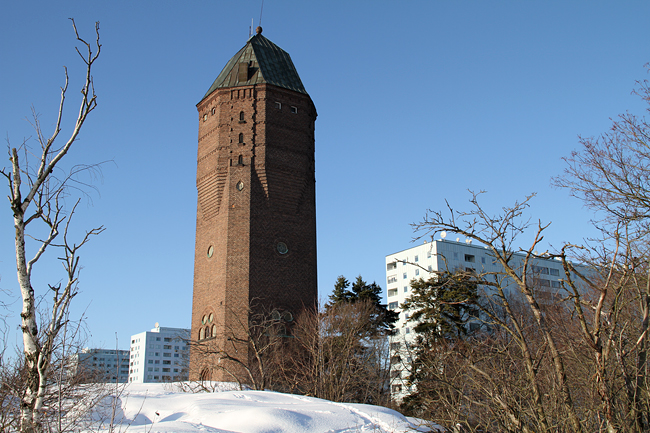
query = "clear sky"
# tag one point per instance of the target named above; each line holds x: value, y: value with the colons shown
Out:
x: 418, y: 101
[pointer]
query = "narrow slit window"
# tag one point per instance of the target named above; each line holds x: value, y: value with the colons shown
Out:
x: 241, y: 138
x: 241, y: 116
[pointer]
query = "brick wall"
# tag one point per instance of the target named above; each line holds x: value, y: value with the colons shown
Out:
x: 256, y: 189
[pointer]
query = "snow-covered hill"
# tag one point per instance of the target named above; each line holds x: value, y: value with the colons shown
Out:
x: 164, y: 408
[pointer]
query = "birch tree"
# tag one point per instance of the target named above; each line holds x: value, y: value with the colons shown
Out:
x: 37, y: 195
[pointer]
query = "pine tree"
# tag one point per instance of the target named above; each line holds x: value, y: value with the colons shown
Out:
x: 341, y: 292
x: 441, y: 308
x: 442, y: 305
x: 383, y: 321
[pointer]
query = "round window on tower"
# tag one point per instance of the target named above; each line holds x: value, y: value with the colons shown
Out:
x: 204, y: 320
x: 282, y: 248
x: 210, y: 251
x: 210, y: 318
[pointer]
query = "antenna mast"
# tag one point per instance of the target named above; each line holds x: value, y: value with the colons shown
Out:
x: 261, y: 10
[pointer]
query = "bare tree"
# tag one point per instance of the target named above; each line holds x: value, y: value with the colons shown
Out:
x: 37, y: 196
x: 339, y: 355
x: 245, y: 350
x: 576, y: 361
x: 610, y: 174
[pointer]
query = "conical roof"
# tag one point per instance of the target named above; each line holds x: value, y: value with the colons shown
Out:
x: 259, y: 61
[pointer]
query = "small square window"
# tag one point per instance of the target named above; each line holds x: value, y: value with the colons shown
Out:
x: 278, y: 105
x: 294, y: 110
x: 417, y: 272
x: 406, y: 289
x: 416, y: 258
x: 404, y: 275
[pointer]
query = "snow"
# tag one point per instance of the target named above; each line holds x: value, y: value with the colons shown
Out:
x: 166, y: 408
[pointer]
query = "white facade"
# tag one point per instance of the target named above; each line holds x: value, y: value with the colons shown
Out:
x: 103, y: 365
x: 159, y: 355
x: 422, y: 261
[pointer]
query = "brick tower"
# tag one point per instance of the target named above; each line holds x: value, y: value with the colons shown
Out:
x: 256, y: 212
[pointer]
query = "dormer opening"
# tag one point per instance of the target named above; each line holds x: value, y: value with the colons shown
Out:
x: 242, y: 73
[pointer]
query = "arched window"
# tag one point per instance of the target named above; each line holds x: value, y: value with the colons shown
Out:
x: 214, y: 330
x: 240, y: 160
x: 207, y: 332
x: 201, y: 334
x: 241, y: 116
x: 241, y: 137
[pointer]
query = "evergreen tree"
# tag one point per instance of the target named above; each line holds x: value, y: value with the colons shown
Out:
x: 442, y: 305
x: 341, y: 292
x: 383, y: 320
x: 441, y: 308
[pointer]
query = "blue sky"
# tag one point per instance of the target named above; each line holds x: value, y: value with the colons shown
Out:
x: 418, y: 102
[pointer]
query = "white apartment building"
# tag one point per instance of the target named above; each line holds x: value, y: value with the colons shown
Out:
x: 102, y: 365
x: 160, y: 355
x: 422, y: 261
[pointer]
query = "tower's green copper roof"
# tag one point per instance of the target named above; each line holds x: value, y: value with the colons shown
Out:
x: 267, y: 63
